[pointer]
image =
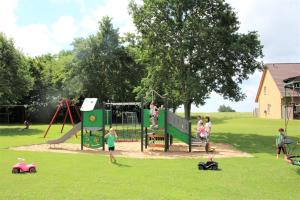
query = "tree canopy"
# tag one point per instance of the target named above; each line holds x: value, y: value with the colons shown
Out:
x: 15, y: 81
x: 103, y: 68
x: 183, y: 49
x: 196, y: 49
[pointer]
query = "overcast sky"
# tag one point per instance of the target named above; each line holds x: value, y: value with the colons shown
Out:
x: 48, y: 26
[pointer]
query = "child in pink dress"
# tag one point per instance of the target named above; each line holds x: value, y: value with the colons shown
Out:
x: 201, y: 130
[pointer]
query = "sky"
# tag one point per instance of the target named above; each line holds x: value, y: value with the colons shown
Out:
x: 48, y: 26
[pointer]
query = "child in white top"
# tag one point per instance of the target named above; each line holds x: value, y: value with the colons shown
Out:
x: 153, y: 115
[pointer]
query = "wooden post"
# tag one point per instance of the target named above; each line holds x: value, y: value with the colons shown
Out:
x: 285, y: 111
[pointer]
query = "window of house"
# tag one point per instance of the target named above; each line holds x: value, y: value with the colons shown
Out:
x: 265, y: 90
x: 269, y: 109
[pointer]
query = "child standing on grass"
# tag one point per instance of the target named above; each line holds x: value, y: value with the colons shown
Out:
x: 280, y: 143
x: 111, y: 137
x: 26, y: 124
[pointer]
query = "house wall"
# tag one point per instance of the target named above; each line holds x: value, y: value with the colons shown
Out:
x: 269, y: 99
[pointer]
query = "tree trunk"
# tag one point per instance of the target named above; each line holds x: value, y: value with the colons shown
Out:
x: 187, y: 109
x: 174, y: 109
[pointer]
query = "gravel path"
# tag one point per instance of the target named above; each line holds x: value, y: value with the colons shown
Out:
x: 132, y: 150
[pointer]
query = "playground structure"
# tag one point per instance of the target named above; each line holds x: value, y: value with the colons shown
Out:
x: 173, y: 127
x: 67, y: 104
x: 292, y: 85
x: 131, y: 125
x: 125, y: 118
x: 92, y: 126
x: 169, y: 127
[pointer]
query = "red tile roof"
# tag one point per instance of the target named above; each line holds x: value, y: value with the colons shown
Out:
x: 280, y: 72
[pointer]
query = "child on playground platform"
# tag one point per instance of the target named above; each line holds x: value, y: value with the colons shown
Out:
x: 280, y: 143
x: 153, y: 115
x: 111, y: 137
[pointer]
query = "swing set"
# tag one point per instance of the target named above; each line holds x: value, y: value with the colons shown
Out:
x: 292, y: 110
x: 65, y: 105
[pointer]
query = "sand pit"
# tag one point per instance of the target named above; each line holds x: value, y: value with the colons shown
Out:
x: 132, y: 150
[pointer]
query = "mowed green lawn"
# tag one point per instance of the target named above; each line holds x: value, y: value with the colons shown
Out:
x: 90, y: 176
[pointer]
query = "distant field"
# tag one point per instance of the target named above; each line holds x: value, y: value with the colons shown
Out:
x: 90, y: 176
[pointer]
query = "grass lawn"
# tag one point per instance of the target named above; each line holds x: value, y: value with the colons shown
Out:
x: 90, y: 176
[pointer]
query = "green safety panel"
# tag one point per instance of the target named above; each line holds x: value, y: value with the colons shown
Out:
x: 92, y: 141
x: 146, y: 118
x: 184, y: 137
x: 161, y: 118
x: 93, y: 118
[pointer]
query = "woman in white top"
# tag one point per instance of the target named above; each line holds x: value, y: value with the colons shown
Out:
x: 208, y: 125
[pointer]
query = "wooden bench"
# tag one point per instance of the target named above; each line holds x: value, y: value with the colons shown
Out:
x: 155, y: 136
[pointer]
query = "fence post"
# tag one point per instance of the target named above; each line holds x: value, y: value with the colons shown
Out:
x: 190, y: 136
x: 142, y: 125
x: 103, y: 127
x: 166, y: 130
x: 146, y: 138
x: 82, y: 131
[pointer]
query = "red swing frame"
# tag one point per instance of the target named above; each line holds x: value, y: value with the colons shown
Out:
x: 60, y: 105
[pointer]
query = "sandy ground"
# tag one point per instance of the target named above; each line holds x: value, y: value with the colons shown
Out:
x: 132, y: 150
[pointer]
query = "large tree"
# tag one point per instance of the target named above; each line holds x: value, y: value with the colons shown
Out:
x: 103, y: 67
x: 196, y: 48
x: 15, y: 80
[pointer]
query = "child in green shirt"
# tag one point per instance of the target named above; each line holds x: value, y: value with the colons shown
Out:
x: 111, y: 137
x: 280, y: 143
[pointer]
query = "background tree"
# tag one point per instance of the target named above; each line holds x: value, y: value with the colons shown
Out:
x: 15, y: 80
x: 224, y: 108
x: 196, y: 48
x: 103, y: 67
x: 49, y: 73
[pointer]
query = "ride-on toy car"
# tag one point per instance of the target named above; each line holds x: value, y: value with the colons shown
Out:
x: 23, y: 167
x: 212, y: 165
